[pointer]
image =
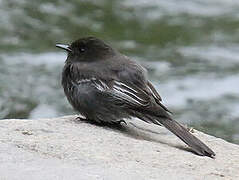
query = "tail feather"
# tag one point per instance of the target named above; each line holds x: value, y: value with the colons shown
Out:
x: 198, y: 146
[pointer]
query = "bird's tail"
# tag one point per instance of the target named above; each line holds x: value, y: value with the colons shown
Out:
x: 198, y: 146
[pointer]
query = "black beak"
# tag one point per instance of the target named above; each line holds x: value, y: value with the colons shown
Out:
x: 64, y: 46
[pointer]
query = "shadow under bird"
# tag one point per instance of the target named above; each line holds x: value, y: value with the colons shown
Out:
x: 106, y: 86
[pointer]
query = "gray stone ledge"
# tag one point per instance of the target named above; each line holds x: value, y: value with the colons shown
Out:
x: 61, y: 148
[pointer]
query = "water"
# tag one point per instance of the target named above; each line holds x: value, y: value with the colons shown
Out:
x: 190, y: 47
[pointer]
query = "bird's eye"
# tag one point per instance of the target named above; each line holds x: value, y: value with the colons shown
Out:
x: 82, y: 49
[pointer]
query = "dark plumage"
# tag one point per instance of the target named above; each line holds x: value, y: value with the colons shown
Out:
x: 106, y: 86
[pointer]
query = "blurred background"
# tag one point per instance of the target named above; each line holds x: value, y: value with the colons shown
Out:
x: 190, y: 48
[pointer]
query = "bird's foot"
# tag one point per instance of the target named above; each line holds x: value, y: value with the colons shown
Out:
x: 81, y: 118
x: 113, y: 123
x: 122, y: 121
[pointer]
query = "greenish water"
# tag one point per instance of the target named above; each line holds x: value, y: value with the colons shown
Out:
x: 189, y: 47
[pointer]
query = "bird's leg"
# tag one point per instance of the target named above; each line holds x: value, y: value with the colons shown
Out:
x: 112, y: 123
x: 78, y: 118
x: 121, y: 121
x: 81, y: 118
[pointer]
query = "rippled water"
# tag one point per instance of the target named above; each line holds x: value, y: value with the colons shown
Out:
x: 190, y: 47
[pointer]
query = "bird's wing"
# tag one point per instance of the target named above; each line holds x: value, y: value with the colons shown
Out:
x: 120, y: 91
x: 139, y: 96
x: 134, y: 75
x: 134, y: 94
x: 131, y: 94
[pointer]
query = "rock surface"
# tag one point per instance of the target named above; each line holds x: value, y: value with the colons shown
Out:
x: 63, y: 148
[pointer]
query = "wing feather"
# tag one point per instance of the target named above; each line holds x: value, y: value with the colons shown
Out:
x: 130, y: 94
x: 126, y: 93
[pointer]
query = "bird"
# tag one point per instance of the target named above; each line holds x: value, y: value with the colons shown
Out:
x: 106, y: 86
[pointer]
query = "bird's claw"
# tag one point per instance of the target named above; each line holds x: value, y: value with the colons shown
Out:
x: 122, y: 121
x: 80, y: 118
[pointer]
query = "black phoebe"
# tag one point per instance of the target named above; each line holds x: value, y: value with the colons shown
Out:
x: 106, y: 86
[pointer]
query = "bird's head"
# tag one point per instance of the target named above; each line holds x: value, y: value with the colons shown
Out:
x: 89, y: 49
